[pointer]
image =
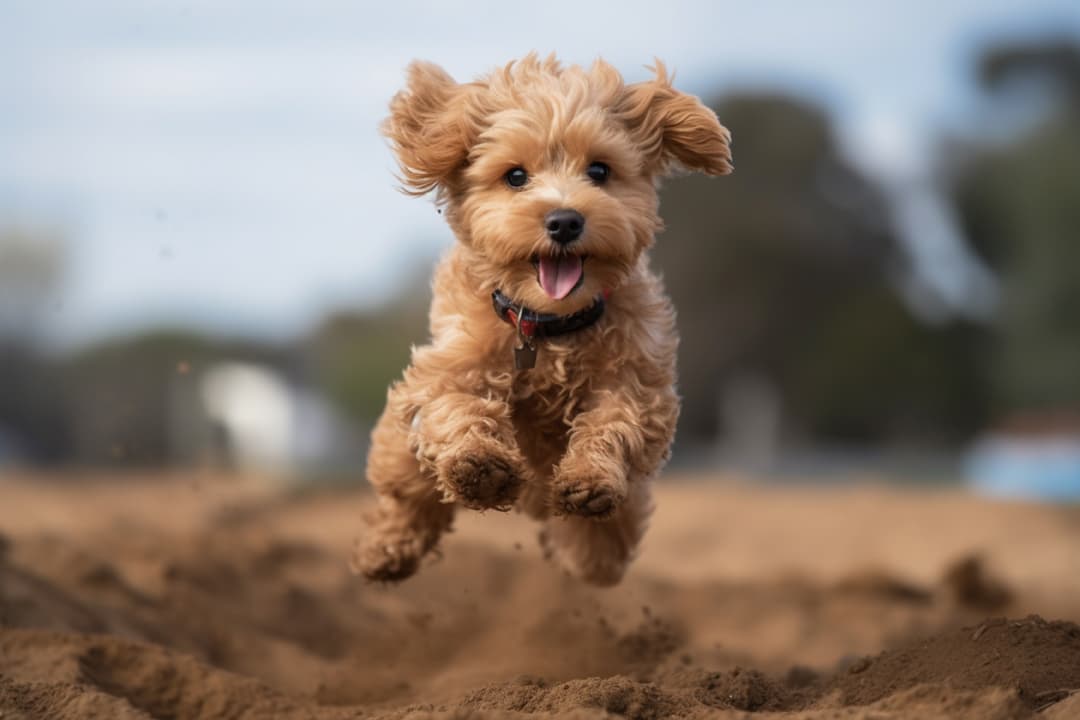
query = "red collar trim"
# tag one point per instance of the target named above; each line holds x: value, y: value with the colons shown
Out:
x: 532, y: 324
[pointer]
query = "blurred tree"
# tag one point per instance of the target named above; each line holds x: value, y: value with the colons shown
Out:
x: 354, y: 356
x: 118, y: 392
x: 1018, y: 204
x: 1056, y: 63
x: 114, y: 402
x: 786, y: 271
x: 32, y: 406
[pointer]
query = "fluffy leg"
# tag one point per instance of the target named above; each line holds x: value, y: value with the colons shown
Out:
x: 624, y: 435
x: 466, y: 442
x: 599, y: 550
x: 410, y: 515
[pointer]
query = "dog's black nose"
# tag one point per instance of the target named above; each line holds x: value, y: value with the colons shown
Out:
x: 564, y: 225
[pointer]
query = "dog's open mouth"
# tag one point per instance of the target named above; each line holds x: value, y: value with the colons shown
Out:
x: 559, y: 275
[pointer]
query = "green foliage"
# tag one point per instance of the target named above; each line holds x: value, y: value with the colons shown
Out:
x: 873, y: 373
x: 355, y: 356
x: 1055, y: 60
x: 783, y: 270
x: 118, y: 392
x: 32, y: 403
x: 1019, y: 205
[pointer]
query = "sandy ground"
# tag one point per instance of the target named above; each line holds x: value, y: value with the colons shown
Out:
x: 206, y: 597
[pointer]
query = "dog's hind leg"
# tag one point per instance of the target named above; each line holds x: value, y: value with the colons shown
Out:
x: 411, y: 513
x: 599, y: 550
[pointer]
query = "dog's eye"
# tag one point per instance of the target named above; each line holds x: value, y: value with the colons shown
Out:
x: 517, y: 177
x: 598, y: 172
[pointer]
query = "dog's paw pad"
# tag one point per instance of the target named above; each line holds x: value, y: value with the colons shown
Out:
x: 484, y: 482
x: 592, y: 501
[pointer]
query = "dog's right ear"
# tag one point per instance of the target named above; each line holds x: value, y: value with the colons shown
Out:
x: 426, y: 128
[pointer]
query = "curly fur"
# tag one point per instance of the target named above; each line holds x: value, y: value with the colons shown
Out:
x: 575, y: 441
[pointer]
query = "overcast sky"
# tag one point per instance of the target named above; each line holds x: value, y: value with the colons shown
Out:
x: 217, y: 164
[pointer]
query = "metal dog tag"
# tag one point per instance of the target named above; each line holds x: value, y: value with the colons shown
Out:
x: 525, y: 356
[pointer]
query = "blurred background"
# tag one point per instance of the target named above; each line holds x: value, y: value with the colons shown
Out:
x: 204, y: 260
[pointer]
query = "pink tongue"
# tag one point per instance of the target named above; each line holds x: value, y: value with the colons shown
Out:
x: 559, y: 275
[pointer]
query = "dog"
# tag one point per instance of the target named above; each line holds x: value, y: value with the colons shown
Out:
x: 549, y: 381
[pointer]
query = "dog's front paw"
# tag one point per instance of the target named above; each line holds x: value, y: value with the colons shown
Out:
x: 586, y: 495
x: 484, y: 478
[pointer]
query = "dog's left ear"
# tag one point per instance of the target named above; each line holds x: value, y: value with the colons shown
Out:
x: 427, y: 128
x: 674, y: 128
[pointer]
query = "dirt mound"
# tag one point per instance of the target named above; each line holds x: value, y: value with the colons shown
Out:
x: 105, y: 677
x: 244, y: 608
x: 1000, y: 668
x: 1036, y: 658
x: 686, y: 693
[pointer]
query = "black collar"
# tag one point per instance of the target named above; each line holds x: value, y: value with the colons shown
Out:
x: 532, y: 324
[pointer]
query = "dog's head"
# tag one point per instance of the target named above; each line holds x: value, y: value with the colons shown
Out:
x: 549, y: 173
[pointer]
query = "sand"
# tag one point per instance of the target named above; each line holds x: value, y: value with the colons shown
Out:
x: 196, y: 596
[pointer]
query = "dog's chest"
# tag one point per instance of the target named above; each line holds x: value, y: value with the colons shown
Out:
x: 542, y: 413
x: 551, y: 393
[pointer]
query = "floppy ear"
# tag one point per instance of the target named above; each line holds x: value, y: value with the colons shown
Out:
x: 426, y: 128
x: 674, y: 128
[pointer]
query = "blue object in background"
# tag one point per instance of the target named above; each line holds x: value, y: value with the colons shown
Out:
x: 1030, y: 468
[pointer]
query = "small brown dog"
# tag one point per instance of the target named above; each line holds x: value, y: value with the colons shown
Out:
x: 549, y: 382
